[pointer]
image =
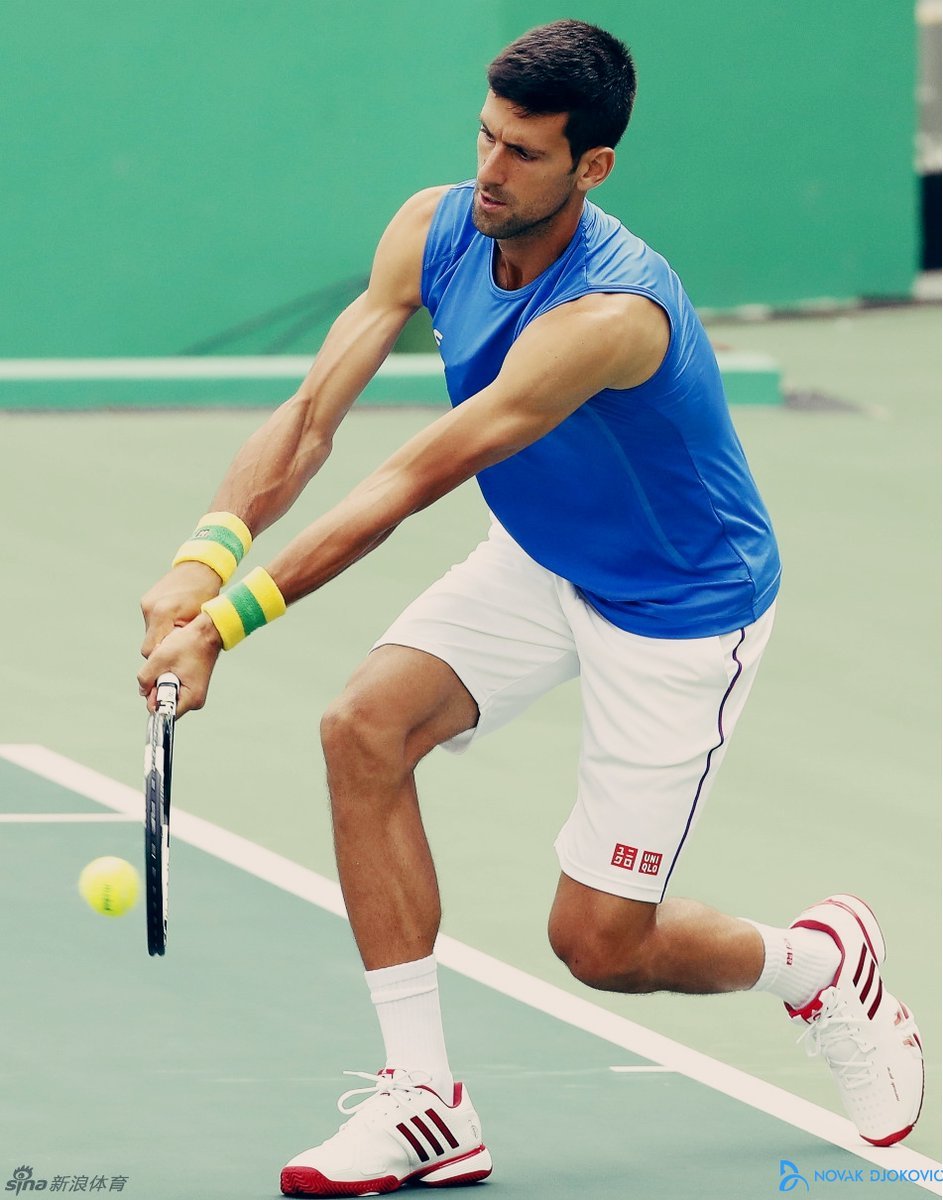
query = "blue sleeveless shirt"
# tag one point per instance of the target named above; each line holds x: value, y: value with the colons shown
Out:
x: 642, y: 498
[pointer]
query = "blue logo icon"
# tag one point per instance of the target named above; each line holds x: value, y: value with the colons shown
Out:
x: 790, y: 1177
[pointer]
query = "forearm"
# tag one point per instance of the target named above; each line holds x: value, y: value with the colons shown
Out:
x: 279, y: 459
x: 431, y: 464
x: 270, y: 471
x: 273, y: 466
x: 344, y: 534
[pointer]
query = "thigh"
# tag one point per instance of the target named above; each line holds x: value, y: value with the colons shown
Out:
x: 658, y: 717
x: 497, y: 622
x: 410, y: 697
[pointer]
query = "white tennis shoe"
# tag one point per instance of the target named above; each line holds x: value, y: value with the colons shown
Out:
x: 400, y: 1132
x: 868, y: 1038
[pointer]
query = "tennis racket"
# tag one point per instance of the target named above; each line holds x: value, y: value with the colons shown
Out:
x: 158, y: 763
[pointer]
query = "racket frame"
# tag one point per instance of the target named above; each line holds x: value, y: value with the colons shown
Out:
x: 158, y: 772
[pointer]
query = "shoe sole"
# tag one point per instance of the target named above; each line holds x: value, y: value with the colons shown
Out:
x: 467, y: 1168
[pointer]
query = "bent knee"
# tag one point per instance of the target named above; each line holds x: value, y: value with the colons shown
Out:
x: 601, y: 961
x: 362, y: 725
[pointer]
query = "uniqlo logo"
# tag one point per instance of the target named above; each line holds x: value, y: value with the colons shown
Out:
x: 624, y: 857
x: 650, y: 864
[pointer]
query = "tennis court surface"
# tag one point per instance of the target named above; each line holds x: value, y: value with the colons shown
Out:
x: 200, y: 1074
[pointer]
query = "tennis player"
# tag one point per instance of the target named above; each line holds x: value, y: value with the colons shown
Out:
x: 629, y: 546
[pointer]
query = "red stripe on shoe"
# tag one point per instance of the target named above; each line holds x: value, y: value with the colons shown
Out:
x: 851, y: 912
x: 867, y: 987
x: 413, y: 1141
x: 442, y: 1128
x: 428, y: 1135
x: 860, y: 967
x: 431, y: 1175
x: 877, y: 1000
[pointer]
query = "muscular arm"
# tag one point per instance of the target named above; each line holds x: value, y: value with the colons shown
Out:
x: 278, y: 460
x: 559, y: 361
x: 270, y: 471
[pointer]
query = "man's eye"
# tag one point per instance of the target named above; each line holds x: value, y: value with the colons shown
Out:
x: 485, y: 134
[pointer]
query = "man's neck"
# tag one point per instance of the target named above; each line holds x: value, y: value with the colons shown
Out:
x: 518, y: 261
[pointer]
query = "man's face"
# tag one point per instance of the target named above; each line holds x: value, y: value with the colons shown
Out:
x: 525, y: 170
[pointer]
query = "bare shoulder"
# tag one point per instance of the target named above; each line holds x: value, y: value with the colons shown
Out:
x: 632, y: 331
x: 426, y: 200
x: 415, y: 215
x: 619, y: 308
x: 397, y: 265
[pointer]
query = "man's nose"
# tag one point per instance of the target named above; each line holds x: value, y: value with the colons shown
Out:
x: 491, y: 168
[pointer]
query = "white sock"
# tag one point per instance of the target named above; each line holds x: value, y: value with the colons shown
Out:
x: 798, y: 963
x: 406, y: 998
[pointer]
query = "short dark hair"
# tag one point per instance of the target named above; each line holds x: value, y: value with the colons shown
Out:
x: 572, y: 67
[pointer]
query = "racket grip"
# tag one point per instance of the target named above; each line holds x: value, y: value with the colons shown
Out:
x: 168, y: 688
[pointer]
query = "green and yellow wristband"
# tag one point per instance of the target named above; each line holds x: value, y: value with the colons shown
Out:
x: 245, y: 607
x: 221, y: 541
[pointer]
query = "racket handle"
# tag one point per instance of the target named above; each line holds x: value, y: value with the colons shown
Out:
x: 168, y: 688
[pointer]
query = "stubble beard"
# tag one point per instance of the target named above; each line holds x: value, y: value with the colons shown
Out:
x: 506, y: 228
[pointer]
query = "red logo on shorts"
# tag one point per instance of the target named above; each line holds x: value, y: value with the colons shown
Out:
x: 651, y: 863
x: 624, y: 857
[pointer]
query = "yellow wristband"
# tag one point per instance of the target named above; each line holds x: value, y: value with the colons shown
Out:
x: 220, y: 541
x: 222, y: 561
x: 224, y: 615
x: 265, y: 590
x: 246, y: 607
x: 231, y: 522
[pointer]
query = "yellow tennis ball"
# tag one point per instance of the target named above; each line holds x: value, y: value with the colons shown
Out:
x: 110, y: 886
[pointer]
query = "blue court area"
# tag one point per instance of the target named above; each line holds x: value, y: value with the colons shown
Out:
x: 200, y: 1073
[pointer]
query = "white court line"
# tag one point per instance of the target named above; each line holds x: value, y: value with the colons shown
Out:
x: 234, y: 366
x: 642, y: 1070
x: 502, y: 977
x: 264, y: 366
x: 66, y: 818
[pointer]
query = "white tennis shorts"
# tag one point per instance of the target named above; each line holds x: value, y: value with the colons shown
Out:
x: 657, y: 713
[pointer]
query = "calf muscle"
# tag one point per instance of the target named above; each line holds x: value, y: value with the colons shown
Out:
x: 396, y: 708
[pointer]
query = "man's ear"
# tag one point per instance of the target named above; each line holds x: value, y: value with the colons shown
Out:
x: 595, y: 167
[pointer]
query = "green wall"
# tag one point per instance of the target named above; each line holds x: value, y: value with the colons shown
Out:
x: 173, y: 168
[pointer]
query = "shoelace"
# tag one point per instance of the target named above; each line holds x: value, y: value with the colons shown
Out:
x: 390, y: 1089
x: 833, y: 1025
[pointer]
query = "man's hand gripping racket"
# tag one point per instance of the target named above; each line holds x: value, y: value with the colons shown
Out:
x: 158, y: 765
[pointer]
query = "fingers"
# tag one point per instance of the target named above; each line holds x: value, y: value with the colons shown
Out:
x: 161, y: 618
x: 160, y: 615
x: 154, y: 634
x: 147, y: 686
x: 175, y: 600
x: 189, y: 699
x: 158, y: 626
x: 190, y: 651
